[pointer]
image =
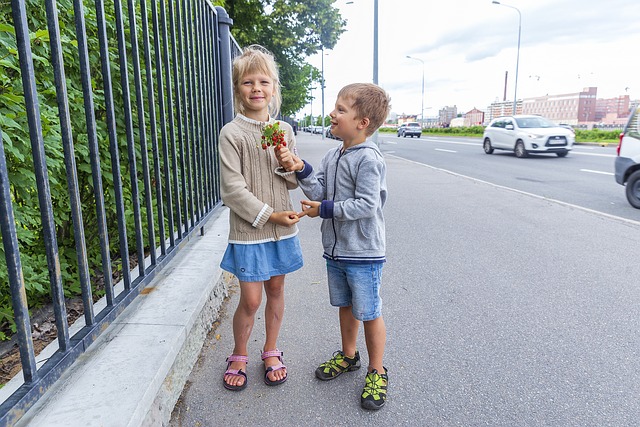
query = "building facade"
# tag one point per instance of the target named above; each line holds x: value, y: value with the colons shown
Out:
x: 571, y: 108
x: 502, y: 108
x: 446, y: 114
x: 474, y: 117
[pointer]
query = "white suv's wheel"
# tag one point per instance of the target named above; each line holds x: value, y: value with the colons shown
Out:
x: 487, y: 146
x: 521, y: 152
x: 633, y: 189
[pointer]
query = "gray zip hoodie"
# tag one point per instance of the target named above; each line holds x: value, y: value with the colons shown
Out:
x: 352, y: 187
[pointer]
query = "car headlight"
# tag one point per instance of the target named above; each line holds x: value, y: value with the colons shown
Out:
x: 535, y: 136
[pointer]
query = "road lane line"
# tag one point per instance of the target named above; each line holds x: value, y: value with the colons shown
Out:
x: 515, y: 190
x: 599, y: 172
x: 593, y: 154
x: 447, y: 151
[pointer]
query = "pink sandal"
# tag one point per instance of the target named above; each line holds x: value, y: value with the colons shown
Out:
x: 273, y: 353
x: 235, y: 372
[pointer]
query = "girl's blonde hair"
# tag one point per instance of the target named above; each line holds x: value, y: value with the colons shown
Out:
x: 256, y: 59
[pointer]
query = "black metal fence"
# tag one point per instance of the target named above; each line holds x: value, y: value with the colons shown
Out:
x: 160, y: 121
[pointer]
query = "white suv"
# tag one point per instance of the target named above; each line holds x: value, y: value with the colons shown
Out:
x: 627, y: 163
x: 527, y: 134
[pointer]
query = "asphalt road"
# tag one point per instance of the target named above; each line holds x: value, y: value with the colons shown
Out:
x: 584, y: 178
x: 502, y: 309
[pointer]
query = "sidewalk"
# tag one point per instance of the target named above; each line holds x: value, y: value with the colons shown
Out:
x: 474, y: 337
x: 134, y: 372
x: 500, y: 310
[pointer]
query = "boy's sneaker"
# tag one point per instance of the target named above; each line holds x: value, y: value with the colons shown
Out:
x: 337, y: 365
x: 374, y: 393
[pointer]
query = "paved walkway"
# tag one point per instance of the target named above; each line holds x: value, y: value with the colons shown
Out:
x: 500, y: 310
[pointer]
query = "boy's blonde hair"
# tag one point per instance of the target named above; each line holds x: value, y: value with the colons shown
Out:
x: 256, y: 59
x: 370, y: 101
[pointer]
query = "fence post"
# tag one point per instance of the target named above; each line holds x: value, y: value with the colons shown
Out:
x: 224, y: 24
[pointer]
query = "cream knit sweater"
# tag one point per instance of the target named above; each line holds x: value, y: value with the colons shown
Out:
x: 250, y: 185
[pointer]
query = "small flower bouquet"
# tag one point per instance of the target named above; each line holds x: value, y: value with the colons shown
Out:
x: 272, y: 135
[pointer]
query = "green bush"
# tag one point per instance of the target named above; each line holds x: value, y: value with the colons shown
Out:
x: 17, y: 145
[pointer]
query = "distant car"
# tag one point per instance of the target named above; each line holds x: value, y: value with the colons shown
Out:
x: 627, y: 164
x: 410, y: 129
x: 526, y: 135
x: 329, y: 134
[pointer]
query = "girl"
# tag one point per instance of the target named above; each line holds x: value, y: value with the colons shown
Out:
x: 263, y: 238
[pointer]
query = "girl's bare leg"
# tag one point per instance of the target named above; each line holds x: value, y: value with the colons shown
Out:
x: 243, y: 319
x: 273, y: 313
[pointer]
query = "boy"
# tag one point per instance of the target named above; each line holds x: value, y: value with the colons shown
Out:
x: 349, y: 191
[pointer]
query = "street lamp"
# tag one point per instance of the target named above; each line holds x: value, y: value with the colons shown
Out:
x: 422, y: 105
x: 515, y: 91
x: 375, y: 40
x: 322, y: 86
x: 375, y: 52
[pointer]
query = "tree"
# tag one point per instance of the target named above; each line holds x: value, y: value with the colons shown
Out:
x: 292, y: 30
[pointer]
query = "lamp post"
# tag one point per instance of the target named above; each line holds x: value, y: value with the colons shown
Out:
x: 422, y: 105
x: 375, y: 41
x: 375, y: 51
x: 515, y: 91
x: 322, y: 86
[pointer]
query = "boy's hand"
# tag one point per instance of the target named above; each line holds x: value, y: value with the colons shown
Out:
x: 310, y: 209
x: 288, y: 160
x: 284, y: 218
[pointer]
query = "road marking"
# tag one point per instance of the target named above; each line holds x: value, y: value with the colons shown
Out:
x: 448, y: 151
x: 456, y: 142
x: 599, y: 172
x: 560, y: 202
x: 593, y: 154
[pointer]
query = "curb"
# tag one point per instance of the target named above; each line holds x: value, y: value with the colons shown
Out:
x: 134, y: 373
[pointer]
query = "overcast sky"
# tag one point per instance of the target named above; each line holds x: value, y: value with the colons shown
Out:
x: 468, y: 45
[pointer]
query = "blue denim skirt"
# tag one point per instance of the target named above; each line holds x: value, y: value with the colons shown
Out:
x: 261, y: 261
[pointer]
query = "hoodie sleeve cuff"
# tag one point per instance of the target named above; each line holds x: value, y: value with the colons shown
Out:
x: 306, y: 170
x: 326, y: 209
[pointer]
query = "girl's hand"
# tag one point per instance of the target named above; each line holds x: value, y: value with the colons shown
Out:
x: 284, y: 218
x: 287, y: 159
x: 310, y: 209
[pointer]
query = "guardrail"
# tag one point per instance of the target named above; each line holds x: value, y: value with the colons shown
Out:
x: 183, y: 75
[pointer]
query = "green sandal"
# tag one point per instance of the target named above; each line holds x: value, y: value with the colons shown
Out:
x: 374, y: 393
x: 336, y: 366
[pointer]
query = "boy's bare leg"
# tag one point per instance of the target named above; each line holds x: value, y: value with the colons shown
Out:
x: 375, y: 335
x: 273, y: 313
x: 349, y: 331
x: 243, y: 319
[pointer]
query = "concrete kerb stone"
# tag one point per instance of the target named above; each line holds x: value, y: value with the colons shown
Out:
x: 135, y: 372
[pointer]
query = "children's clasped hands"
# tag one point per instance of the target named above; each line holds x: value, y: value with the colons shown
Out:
x: 290, y: 162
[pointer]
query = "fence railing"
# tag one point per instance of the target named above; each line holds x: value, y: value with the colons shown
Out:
x: 159, y: 120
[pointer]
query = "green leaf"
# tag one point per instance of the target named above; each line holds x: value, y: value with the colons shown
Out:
x: 7, y: 28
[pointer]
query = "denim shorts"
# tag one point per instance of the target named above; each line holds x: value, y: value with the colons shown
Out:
x: 261, y: 261
x: 356, y: 285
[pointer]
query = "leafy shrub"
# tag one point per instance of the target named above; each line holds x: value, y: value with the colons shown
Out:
x: 16, y: 140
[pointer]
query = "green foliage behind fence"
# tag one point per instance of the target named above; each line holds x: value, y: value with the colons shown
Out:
x: 13, y: 123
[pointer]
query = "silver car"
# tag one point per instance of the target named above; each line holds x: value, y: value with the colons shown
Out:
x: 526, y: 135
